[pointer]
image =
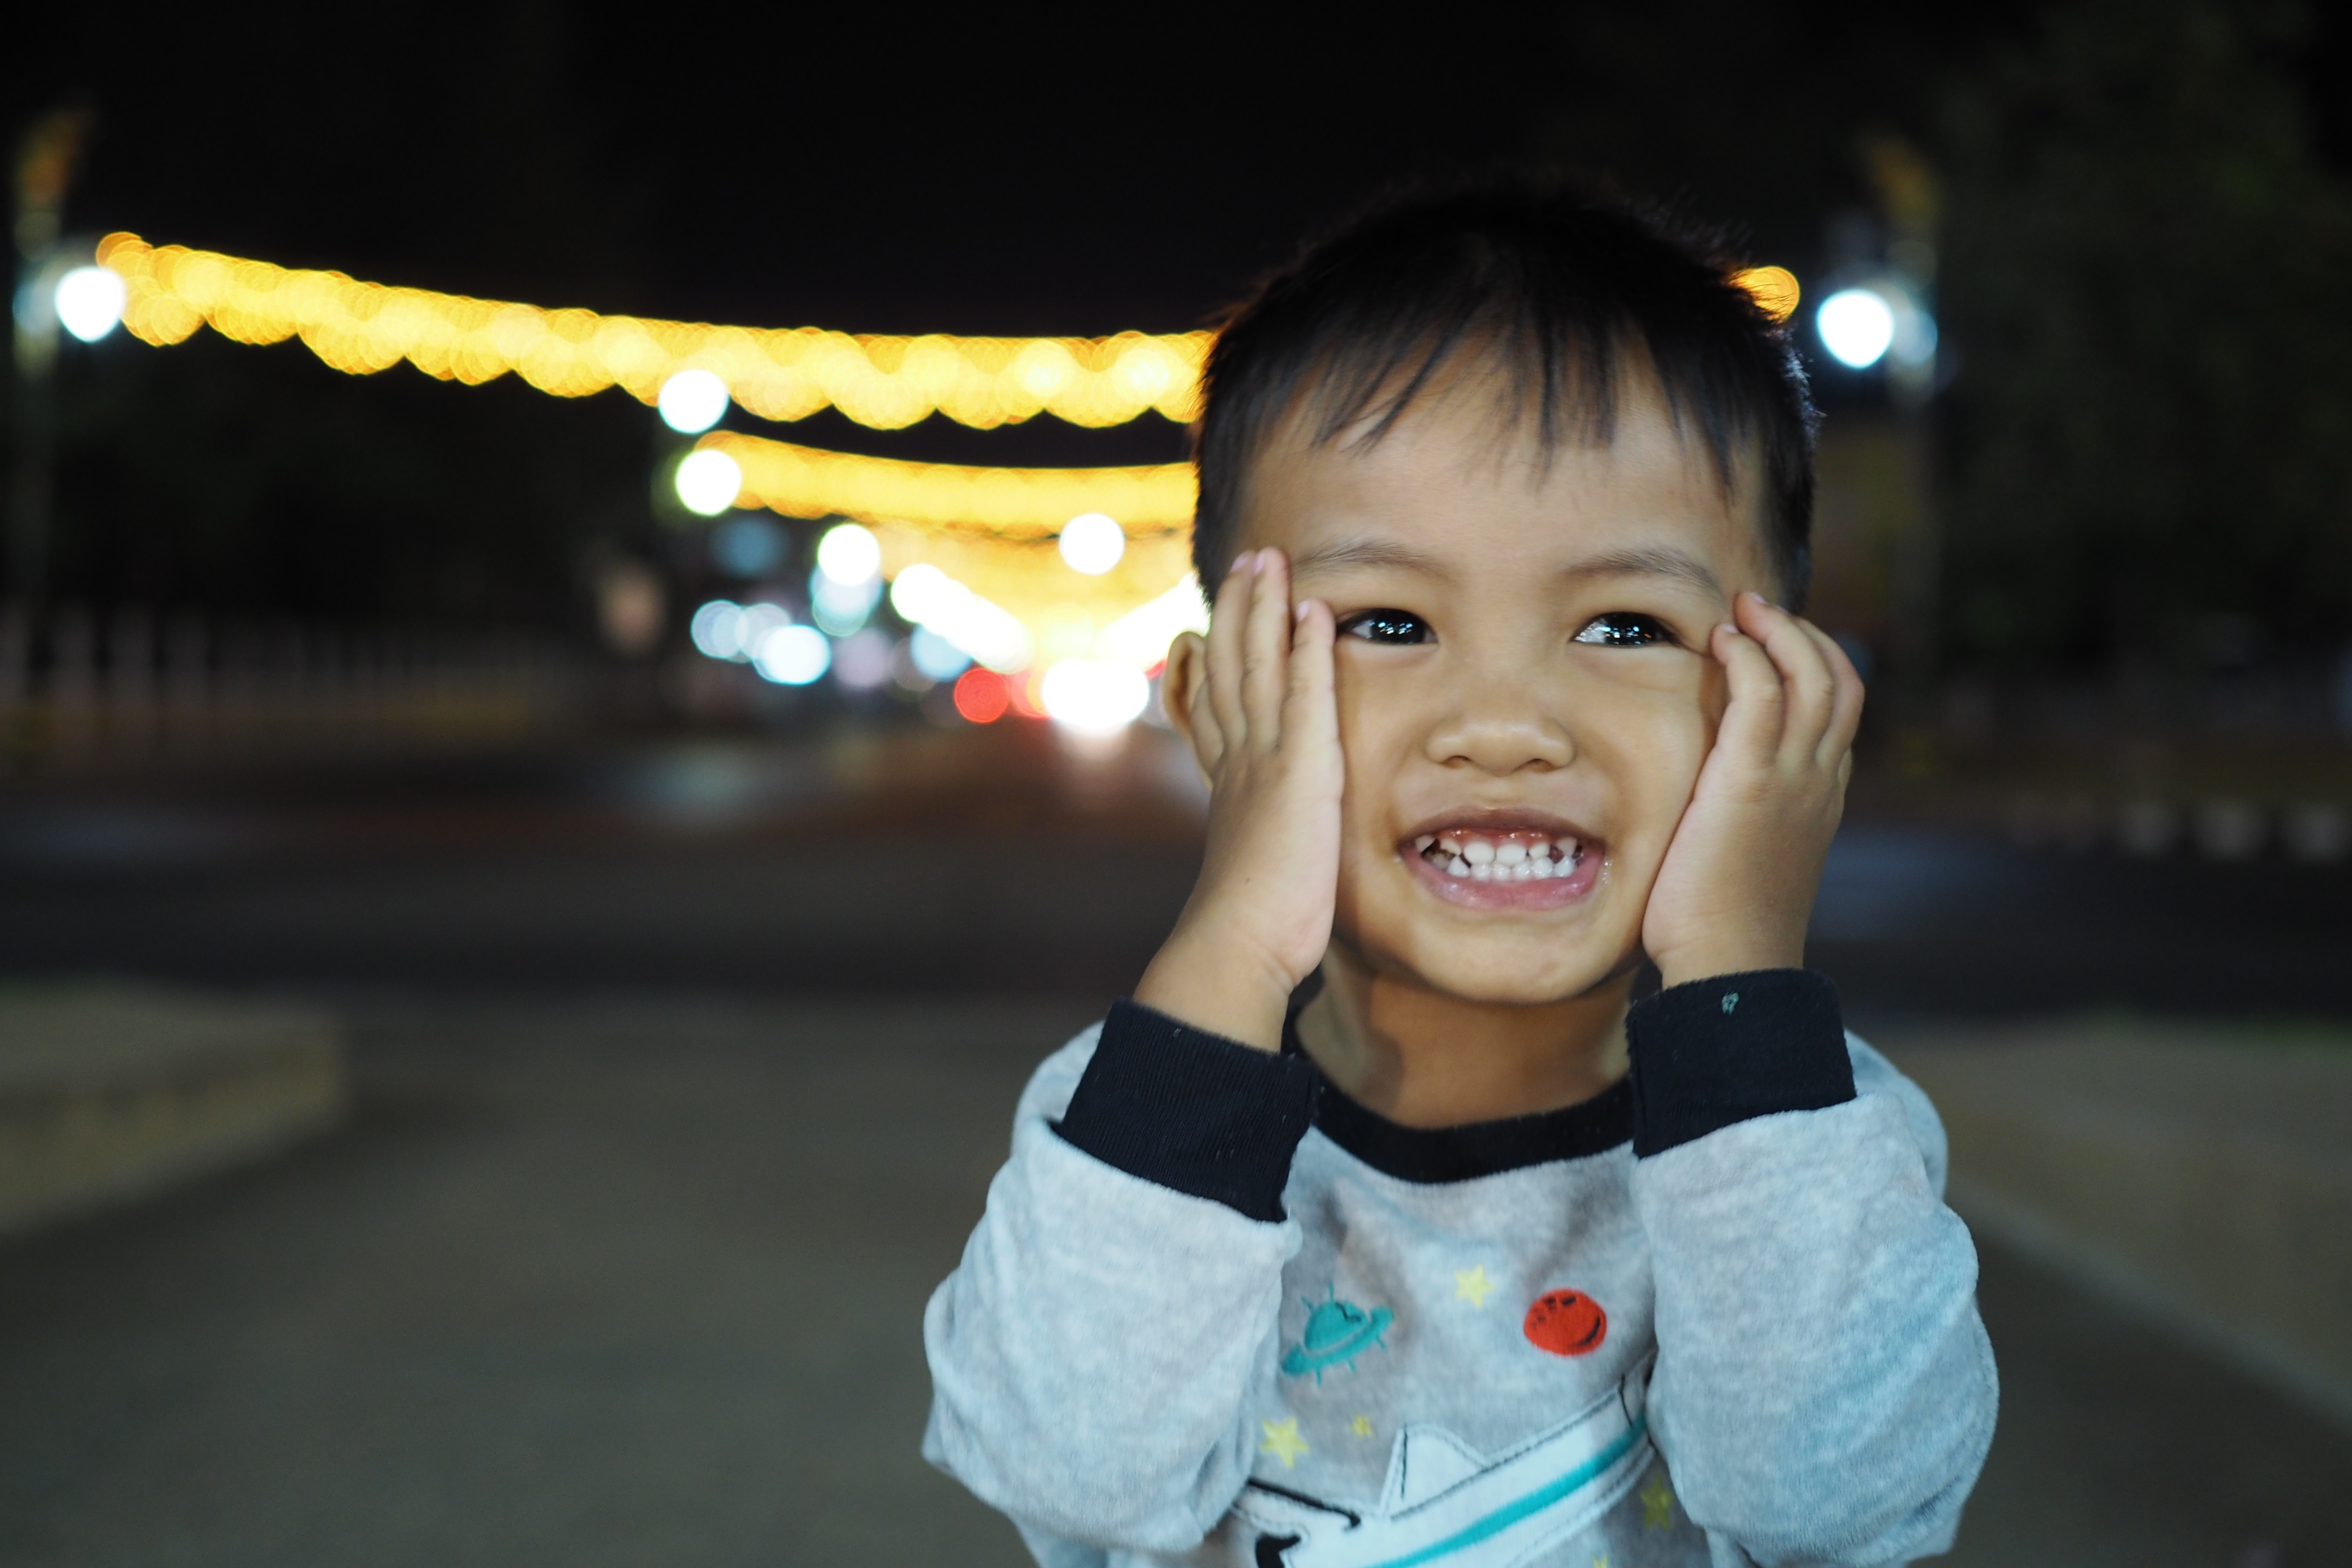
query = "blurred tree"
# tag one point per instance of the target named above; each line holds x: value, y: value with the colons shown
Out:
x: 2143, y: 282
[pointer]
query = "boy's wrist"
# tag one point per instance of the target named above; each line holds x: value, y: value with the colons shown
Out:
x: 1217, y: 985
x: 1686, y: 966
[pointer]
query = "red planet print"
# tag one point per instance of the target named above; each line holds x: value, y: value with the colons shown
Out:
x: 1567, y: 1323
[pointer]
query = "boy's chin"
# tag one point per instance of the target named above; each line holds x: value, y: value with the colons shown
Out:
x: 1509, y: 975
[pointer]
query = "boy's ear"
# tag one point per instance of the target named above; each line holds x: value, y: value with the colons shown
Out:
x: 1180, y: 684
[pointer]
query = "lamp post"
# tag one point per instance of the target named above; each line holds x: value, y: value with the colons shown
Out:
x: 44, y: 168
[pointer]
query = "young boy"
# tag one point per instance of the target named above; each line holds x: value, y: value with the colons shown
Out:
x: 1381, y: 1227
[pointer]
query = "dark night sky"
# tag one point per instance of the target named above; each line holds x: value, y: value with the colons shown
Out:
x: 887, y: 170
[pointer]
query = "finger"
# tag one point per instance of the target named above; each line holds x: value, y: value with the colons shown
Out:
x: 1310, y: 714
x: 1811, y: 690
x: 1265, y: 669
x: 1845, y: 708
x: 1751, y: 724
x: 1226, y: 626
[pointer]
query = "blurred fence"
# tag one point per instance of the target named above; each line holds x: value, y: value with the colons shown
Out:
x: 2233, y: 768
x: 123, y: 688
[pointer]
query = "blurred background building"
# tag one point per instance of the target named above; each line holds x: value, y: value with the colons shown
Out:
x: 578, y: 631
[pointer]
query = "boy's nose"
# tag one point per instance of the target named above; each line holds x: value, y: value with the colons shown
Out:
x: 1500, y: 736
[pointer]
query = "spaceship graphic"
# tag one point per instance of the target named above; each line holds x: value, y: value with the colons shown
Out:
x: 1337, y: 1332
x: 1446, y: 1503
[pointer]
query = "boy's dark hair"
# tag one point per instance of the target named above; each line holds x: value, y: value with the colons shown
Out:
x: 1558, y: 285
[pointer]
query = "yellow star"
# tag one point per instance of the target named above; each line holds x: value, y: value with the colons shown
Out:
x: 1362, y: 1426
x: 1472, y: 1285
x: 1657, y: 1504
x: 1283, y: 1441
x: 1601, y: 1561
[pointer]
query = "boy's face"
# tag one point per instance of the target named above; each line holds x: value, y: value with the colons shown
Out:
x: 1525, y: 697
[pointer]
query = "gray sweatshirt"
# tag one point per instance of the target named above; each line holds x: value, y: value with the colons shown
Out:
x: 1216, y: 1312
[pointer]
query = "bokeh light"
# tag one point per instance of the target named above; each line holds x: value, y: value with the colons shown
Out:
x: 718, y: 629
x: 1774, y: 289
x: 927, y: 596
x: 747, y: 547
x: 1092, y: 544
x: 879, y: 381
x: 1140, y: 638
x: 808, y: 481
x: 840, y: 608
x: 792, y: 656
x: 1094, y: 698
x: 692, y: 401
x: 935, y: 657
x: 849, y: 555
x: 862, y: 661
x: 708, y: 481
x: 980, y: 696
x: 1857, y: 326
x: 90, y: 301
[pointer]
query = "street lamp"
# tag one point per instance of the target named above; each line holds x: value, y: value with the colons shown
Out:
x: 88, y: 302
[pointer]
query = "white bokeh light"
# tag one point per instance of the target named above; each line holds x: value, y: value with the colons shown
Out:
x: 989, y: 633
x: 718, y: 629
x: 1857, y: 326
x: 1092, y: 697
x: 90, y: 301
x: 792, y: 656
x: 849, y: 555
x: 1092, y: 544
x: 709, y: 482
x: 937, y: 657
x: 692, y: 401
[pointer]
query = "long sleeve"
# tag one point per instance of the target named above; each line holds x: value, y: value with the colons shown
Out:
x: 1824, y: 1391
x: 1090, y: 1355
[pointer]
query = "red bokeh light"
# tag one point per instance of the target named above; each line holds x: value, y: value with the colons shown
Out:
x: 1021, y: 690
x: 979, y: 695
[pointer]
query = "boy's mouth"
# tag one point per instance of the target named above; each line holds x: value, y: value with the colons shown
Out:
x: 1505, y: 865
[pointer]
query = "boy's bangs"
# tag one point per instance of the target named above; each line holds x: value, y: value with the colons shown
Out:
x: 1561, y: 307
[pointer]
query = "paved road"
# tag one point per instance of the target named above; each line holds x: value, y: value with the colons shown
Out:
x: 681, y: 1079
x: 977, y: 861
x: 630, y: 1279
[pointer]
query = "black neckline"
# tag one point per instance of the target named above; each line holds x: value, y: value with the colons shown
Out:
x: 1435, y: 1154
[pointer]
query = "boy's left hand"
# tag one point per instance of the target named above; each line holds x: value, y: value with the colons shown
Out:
x: 1738, y: 883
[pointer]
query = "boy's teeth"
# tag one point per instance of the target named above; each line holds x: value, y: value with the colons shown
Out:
x: 1508, y: 859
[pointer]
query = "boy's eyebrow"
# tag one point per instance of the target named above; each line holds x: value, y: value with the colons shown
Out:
x: 1655, y: 561
x: 1368, y: 553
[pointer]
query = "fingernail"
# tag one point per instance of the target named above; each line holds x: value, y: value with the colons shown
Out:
x: 1759, y: 598
x: 1238, y: 559
x: 1727, y: 627
x: 1298, y: 610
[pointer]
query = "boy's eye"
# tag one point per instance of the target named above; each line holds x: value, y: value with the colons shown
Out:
x: 1397, y: 627
x: 1626, y: 629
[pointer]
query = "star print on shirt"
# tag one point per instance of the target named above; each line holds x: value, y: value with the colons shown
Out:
x: 1283, y: 1441
x: 1472, y: 1285
x: 1362, y: 1426
x: 1658, y: 1503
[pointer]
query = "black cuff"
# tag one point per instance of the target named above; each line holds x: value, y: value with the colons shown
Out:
x: 1733, y: 1046
x: 1192, y: 1110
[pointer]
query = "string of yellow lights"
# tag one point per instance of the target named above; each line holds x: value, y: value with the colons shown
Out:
x: 783, y: 373
x: 885, y: 382
x: 1018, y: 503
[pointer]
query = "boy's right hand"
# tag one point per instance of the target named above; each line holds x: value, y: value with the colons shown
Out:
x: 1256, y: 701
